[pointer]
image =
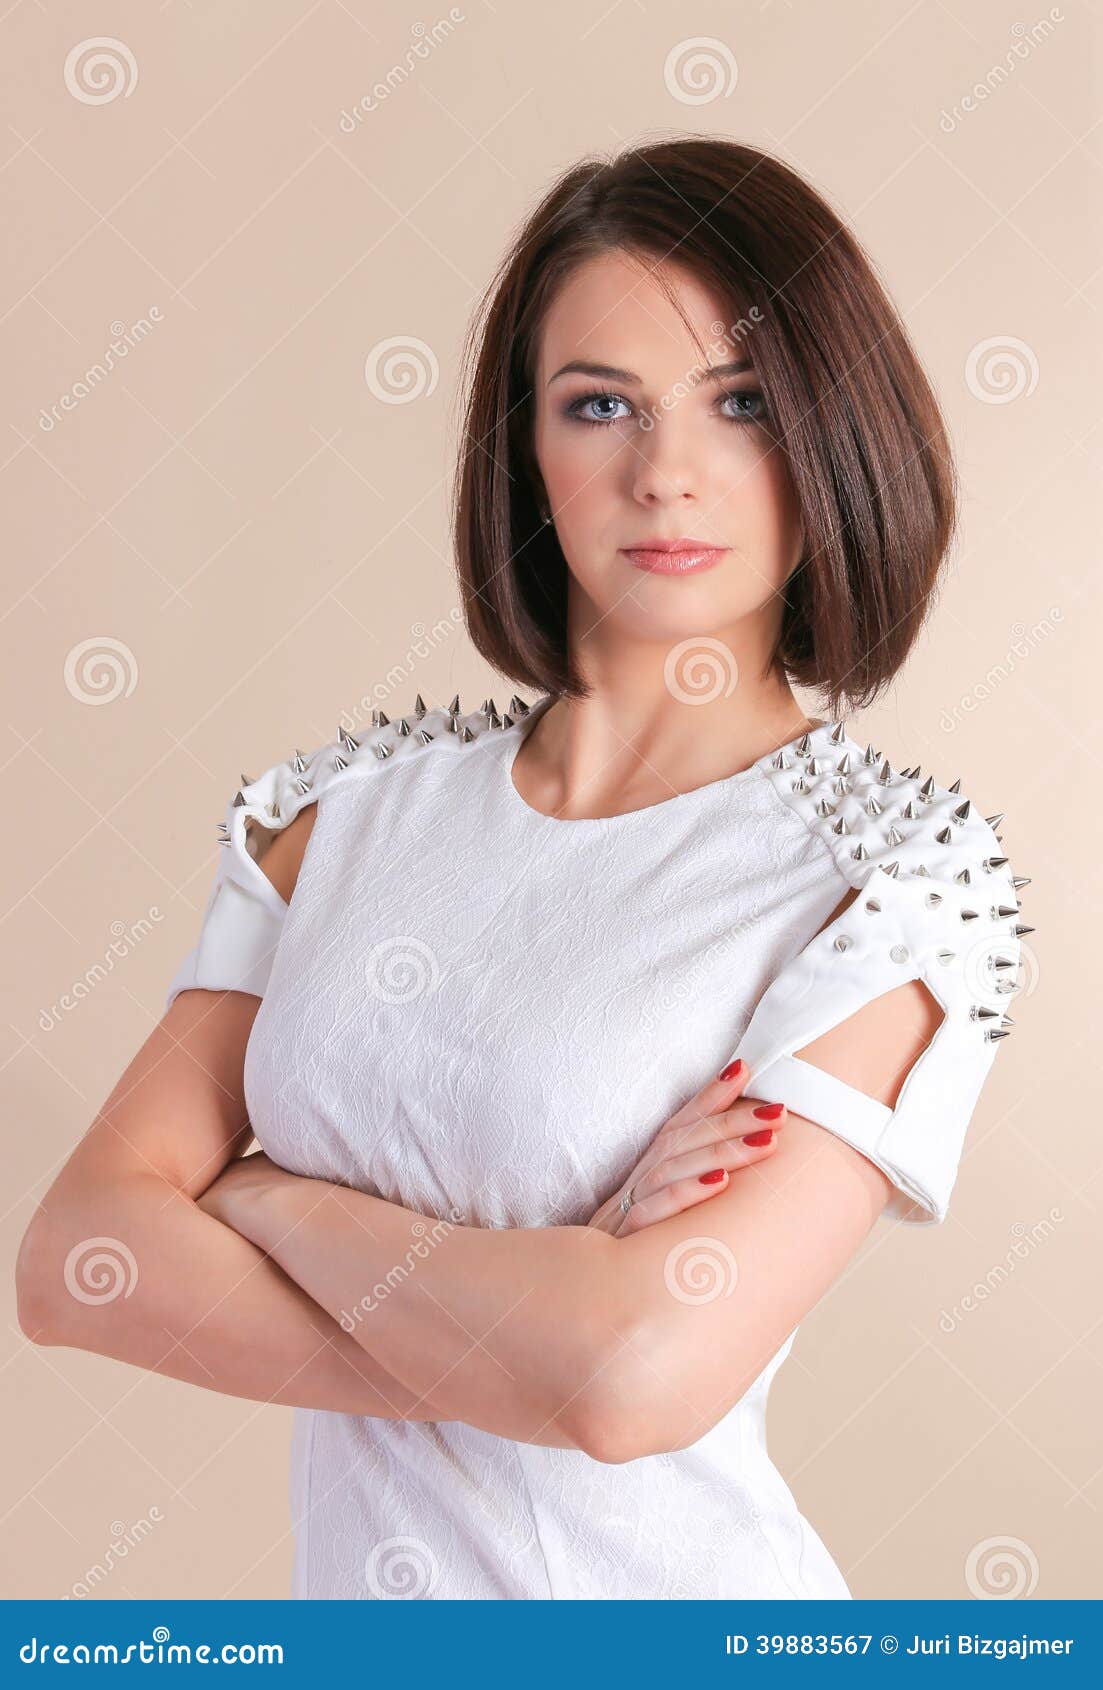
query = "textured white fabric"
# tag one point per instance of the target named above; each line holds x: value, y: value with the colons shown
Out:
x: 486, y: 1014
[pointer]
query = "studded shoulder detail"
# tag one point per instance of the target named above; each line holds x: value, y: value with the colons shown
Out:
x: 244, y: 914
x: 938, y: 902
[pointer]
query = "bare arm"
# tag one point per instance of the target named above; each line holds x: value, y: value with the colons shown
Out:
x: 119, y: 1260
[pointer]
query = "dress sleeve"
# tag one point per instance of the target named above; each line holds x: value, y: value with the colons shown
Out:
x: 937, y: 902
x: 244, y: 915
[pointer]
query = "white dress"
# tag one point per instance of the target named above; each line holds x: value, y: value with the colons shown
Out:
x: 485, y: 1014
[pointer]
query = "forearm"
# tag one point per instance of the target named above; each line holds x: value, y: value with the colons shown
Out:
x: 205, y: 1305
x: 508, y: 1330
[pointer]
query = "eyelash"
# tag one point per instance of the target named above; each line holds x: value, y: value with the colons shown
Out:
x: 575, y: 407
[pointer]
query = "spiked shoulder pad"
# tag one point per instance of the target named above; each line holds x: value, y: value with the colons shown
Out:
x: 937, y: 901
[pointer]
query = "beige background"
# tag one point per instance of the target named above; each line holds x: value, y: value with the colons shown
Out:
x: 228, y: 540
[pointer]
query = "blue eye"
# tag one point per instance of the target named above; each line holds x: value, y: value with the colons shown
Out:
x: 742, y: 396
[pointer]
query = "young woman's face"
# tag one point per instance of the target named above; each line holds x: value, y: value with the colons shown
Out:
x: 659, y: 452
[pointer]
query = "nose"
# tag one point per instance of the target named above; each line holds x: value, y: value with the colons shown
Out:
x: 664, y: 469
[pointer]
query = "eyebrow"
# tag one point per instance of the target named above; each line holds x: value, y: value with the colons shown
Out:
x: 610, y: 372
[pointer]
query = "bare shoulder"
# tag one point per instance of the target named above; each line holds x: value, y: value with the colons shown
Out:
x: 282, y: 859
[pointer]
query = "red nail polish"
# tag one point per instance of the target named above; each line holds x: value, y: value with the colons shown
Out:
x: 762, y: 1137
x: 733, y: 1068
x: 768, y: 1111
x: 712, y: 1177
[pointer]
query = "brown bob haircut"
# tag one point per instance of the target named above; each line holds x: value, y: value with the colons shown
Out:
x: 847, y: 402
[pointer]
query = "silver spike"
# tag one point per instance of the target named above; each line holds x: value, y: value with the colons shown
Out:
x: 840, y: 786
x: 991, y: 863
x: 419, y: 706
x: 873, y: 808
x: 454, y: 707
x: 804, y: 745
x: 452, y: 725
x: 996, y: 1033
x: 859, y: 853
x: 823, y: 808
x: 424, y: 736
x: 963, y: 878
x: 494, y: 720
x: 466, y: 736
x: 347, y: 740
x: 302, y: 785
x: 956, y: 786
x: 840, y: 826
x: 944, y: 836
x: 298, y: 763
x: 1002, y: 962
x: 968, y: 915
x: 945, y: 957
x: 994, y: 821
x: 894, y: 836
x: 239, y: 800
x: 884, y: 774
x: 507, y: 720
x: 1019, y: 930
x: 891, y: 869
x: 843, y: 764
x: 980, y: 1012
x: 800, y: 784
x: 1007, y: 1021
x: 489, y: 707
x: 382, y: 750
x: 404, y: 727
x: 339, y: 762
x: 927, y: 790
x: 962, y: 812
x: 837, y: 734
x: 518, y: 707
x: 870, y: 755
x: 246, y: 780
x: 934, y: 899
x: 873, y: 905
x: 1018, y: 880
x: 781, y: 761
x: 923, y: 869
x: 381, y: 721
x: 1000, y: 912
x: 910, y: 812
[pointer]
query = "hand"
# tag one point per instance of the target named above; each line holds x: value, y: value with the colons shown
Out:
x: 241, y: 1182
x: 705, y: 1133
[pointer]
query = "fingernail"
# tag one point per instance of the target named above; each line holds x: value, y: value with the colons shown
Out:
x: 758, y: 1138
x: 711, y: 1177
x: 768, y: 1111
x: 733, y: 1068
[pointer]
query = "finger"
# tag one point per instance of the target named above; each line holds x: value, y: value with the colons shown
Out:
x: 695, y: 1185
x: 671, y: 1200
x: 744, y: 1116
x: 731, y: 1152
x: 716, y: 1094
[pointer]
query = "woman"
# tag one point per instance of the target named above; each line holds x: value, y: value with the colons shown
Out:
x: 584, y: 1043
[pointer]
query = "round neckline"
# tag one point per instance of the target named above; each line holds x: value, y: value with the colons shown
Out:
x: 524, y: 726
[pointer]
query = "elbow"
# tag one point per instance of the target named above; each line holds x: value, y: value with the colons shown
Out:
x: 626, y: 1409
x: 33, y: 1302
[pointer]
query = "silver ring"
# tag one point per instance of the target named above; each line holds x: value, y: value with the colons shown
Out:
x: 626, y: 1201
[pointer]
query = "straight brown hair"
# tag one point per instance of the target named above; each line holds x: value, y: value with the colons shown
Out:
x: 847, y: 399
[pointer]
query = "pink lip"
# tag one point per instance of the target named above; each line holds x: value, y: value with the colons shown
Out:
x: 675, y: 557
